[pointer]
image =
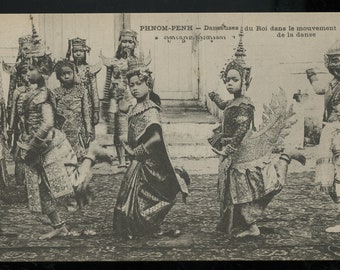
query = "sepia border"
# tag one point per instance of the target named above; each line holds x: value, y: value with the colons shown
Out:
x: 132, y: 6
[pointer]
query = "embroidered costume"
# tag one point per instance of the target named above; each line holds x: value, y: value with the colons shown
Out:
x: 73, y: 111
x: 150, y: 185
x: 327, y: 172
x: 50, y: 162
x: 117, y: 97
x: 87, y: 75
x: 248, y: 176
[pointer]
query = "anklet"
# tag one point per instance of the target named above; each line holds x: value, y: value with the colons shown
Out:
x: 58, y: 226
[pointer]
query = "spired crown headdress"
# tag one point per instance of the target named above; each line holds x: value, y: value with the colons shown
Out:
x: 80, y: 43
x: 38, y: 47
x: 332, y: 51
x: 24, y: 40
x: 129, y: 33
x: 39, y: 54
x: 237, y: 62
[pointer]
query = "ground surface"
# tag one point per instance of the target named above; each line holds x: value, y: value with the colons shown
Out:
x: 293, y: 227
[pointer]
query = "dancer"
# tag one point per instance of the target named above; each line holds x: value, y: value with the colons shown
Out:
x: 51, y: 167
x: 327, y: 172
x: 150, y: 185
x: 249, y: 177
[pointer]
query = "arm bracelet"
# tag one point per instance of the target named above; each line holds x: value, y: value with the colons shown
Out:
x: 140, y: 151
x: 310, y: 73
x: 285, y: 157
x: 230, y: 149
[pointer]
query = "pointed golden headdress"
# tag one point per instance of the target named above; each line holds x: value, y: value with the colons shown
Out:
x: 238, y: 63
x: 39, y: 54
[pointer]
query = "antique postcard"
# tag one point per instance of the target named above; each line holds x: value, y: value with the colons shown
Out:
x: 169, y: 136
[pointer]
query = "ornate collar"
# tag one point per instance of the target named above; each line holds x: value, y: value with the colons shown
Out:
x: 143, y: 106
x: 66, y: 91
x: 238, y: 101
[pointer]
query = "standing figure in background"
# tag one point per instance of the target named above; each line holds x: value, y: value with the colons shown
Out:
x: 72, y: 108
x: 18, y: 84
x: 249, y: 176
x: 117, y: 97
x: 327, y: 172
x: 87, y: 74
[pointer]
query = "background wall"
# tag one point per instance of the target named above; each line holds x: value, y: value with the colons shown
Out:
x: 189, y: 70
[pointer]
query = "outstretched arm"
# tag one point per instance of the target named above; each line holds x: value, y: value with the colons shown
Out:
x: 319, y: 87
x: 220, y: 103
x: 123, y: 102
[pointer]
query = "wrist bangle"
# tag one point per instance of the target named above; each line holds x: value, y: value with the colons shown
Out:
x: 285, y: 157
x: 229, y: 149
x: 310, y: 74
x: 140, y: 151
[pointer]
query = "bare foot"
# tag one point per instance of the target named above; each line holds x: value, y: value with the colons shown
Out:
x: 56, y: 232
x: 89, y: 232
x: 171, y: 233
x: 72, y: 208
x: 253, y: 231
x: 334, y: 229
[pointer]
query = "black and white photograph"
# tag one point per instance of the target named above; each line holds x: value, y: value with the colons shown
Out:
x: 169, y: 137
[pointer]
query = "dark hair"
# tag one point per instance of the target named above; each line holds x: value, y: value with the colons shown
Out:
x: 63, y: 63
x: 144, y: 75
x: 155, y: 98
x: 44, y: 64
x: 21, y: 67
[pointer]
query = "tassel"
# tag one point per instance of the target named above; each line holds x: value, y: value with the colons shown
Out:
x: 106, y: 101
x: 68, y: 54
